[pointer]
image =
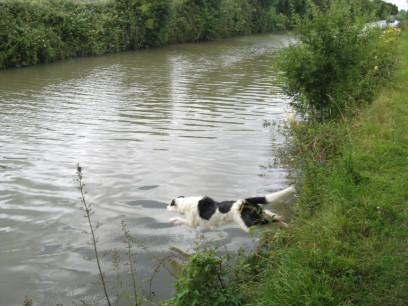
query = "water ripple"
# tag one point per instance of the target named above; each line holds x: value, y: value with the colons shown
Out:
x: 146, y: 126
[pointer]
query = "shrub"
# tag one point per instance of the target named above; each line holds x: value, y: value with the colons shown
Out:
x: 41, y: 31
x: 144, y: 22
x: 208, y: 278
x: 338, y: 61
x: 204, y: 280
x: 197, y: 20
x: 44, y: 31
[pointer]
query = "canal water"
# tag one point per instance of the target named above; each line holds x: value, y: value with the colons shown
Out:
x: 145, y: 126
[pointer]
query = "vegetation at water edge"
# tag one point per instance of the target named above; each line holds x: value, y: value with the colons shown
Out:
x: 42, y: 31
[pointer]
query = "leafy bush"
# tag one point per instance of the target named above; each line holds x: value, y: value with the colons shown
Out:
x: 203, y: 282
x: 197, y: 20
x: 144, y: 22
x: 211, y: 277
x: 338, y: 62
x: 41, y: 31
x: 44, y: 31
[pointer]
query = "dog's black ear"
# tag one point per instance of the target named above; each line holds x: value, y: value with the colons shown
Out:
x: 173, y: 203
x: 180, y: 197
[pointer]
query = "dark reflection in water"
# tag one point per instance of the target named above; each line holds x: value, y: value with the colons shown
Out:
x: 146, y: 126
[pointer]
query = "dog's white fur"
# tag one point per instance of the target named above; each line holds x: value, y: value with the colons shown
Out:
x: 189, y: 208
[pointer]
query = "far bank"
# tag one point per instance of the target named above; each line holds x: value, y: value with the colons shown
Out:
x: 42, y: 31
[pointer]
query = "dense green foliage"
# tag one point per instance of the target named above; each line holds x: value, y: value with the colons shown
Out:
x: 144, y: 22
x: 205, y: 280
x: 43, y: 31
x: 338, y: 62
x: 211, y: 19
x: 384, y: 9
x: 213, y: 276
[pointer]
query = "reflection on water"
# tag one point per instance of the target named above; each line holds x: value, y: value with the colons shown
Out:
x: 146, y: 126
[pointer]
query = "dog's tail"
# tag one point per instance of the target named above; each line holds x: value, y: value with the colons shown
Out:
x: 272, y: 197
x: 280, y: 195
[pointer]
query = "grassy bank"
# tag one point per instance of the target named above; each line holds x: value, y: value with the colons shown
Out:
x: 350, y: 248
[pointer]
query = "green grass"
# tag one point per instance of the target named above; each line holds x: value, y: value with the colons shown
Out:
x: 351, y: 248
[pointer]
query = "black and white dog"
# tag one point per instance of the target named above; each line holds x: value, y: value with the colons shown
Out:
x: 204, y: 211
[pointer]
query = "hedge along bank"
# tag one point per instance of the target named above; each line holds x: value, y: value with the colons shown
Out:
x: 42, y: 31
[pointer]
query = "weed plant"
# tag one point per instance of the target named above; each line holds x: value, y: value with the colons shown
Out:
x: 215, y: 276
x: 92, y: 228
x: 130, y: 295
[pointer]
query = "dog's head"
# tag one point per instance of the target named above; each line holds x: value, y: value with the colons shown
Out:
x: 175, y: 204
